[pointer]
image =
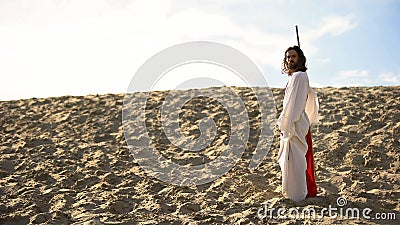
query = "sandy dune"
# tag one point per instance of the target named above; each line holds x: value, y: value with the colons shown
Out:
x: 64, y: 160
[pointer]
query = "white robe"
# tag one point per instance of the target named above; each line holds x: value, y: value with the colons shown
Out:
x: 300, y: 109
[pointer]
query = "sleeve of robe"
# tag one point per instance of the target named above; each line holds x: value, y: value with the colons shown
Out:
x: 294, y: 103
x: 312, y: 106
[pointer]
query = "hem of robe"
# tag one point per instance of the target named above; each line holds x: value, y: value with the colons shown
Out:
x: 311, y: 187
x: 287, y: 190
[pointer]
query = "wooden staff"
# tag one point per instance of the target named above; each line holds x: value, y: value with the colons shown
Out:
x: 297, y: 34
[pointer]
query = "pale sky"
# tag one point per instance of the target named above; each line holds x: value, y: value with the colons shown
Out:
x: 79, y: 47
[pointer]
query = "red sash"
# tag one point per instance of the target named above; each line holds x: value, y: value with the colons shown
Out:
x: 310, y: 172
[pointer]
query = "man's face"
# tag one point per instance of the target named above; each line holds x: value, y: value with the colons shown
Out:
x: 292, y: 58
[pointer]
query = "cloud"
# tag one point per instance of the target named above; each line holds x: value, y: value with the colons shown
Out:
x: 390, y: 78
x: 330, y: 25
x: 337, y: 25
x: 353, y: 73
x: 333, y: 25
x: 363, y: 78
x: 96, y: 46
x: 348, y: 78
x: 316, y: 84
x: 323, y: 60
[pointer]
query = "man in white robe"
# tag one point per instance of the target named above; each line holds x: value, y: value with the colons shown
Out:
x: 300, y: 109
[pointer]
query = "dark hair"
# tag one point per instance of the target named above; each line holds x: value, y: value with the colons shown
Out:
x: 302, y: 60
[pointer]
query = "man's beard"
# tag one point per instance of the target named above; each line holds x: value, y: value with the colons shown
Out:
x: 293, y: 65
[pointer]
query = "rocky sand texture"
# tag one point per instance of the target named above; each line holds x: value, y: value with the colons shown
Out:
x: 64, y: 160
